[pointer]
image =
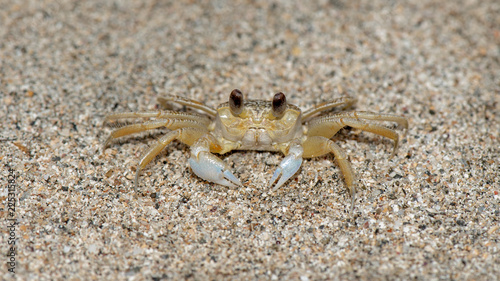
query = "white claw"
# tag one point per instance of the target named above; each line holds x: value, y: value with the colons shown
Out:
x: 288, y: 167
x: 208, y: 167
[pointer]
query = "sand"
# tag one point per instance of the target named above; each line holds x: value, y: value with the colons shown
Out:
x: 429, y: 213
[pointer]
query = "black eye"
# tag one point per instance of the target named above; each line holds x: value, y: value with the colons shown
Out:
x: 279, y: 105
x: 236, y: 102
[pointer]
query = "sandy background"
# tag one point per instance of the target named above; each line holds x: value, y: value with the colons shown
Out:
x: 430, y: 213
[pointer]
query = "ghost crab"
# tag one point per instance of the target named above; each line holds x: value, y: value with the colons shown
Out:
x: 255, y: 125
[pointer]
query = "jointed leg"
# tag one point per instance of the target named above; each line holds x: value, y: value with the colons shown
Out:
x: 376, y: 129
x: 342, y: 101
x: 318, y: 145
x: 185, y: 135
x: 172, y: 124
x: 366, y: 115
x: 187, y: 102
x: 159, y: 114
x: 328, y: 126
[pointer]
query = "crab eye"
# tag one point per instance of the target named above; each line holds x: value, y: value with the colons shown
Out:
x: 236, y: 102
x: 279, y: 105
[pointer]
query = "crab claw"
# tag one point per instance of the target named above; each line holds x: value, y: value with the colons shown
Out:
x: 288, y: 167
x: 208, y: 167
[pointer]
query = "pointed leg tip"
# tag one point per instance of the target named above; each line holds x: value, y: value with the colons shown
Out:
x: 394, y: 152
x: 232, y: 179
x: 136, y: 180
x: 107, y: 142
x: 275, y: 176
x: 227, y: 183
x: 280, y: 183
x: 239, y: 183
x: 352, y: 193
x: 232, y: 184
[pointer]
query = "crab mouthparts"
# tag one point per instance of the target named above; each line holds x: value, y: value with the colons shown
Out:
x: 257, y: 139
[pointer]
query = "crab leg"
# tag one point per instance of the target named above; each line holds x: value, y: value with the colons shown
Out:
x: 328, y: 126
x: 185, y: 135
x: 187, y: 102
x: 342, y: 101
x: 366, y: 115
x: 318, y: 145
x: 208, y: 166
x: 289, y: 166
x: 158, y: 114
x: 172, y: 124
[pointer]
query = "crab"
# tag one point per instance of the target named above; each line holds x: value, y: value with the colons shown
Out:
x: 256, y: 125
